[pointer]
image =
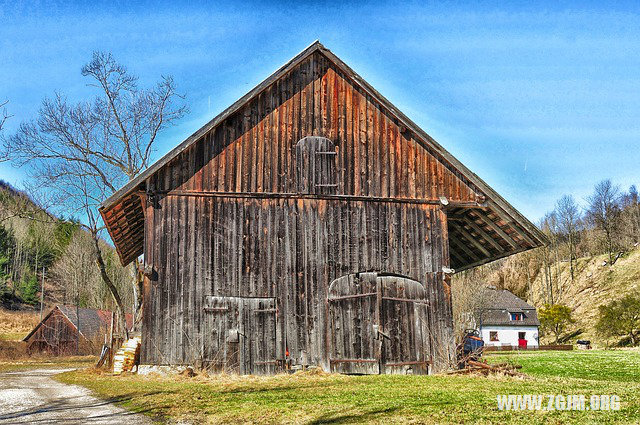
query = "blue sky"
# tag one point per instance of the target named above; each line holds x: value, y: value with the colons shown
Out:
x: 539, y: 101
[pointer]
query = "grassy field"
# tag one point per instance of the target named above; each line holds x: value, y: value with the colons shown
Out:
x: 47, y: 363
x: 317, y: 398
x: 13, y: 336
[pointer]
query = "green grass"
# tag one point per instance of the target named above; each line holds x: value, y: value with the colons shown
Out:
x: 319, y: 398
x: 598, y: 365
x: 12, y: 336
x: 47, y: 363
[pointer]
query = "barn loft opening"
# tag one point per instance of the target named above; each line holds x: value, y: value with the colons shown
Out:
x: 316, y: 165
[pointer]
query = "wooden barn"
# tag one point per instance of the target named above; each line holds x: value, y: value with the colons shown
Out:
x: 69, y: 330
x: 310, y: 223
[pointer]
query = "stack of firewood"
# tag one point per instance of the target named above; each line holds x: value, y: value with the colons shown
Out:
x: 473, y: 367
x: 126, y: 356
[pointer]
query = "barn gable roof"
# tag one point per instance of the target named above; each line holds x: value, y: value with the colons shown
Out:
x: 476, y: 235
x: 92, y: 321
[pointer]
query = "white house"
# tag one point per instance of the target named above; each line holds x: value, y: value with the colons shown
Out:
x: 505, y: 320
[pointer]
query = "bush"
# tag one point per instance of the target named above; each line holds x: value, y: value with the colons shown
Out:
x: 620, y: 318
x: 555, y: 318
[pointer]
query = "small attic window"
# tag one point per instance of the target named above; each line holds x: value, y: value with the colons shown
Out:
x: 316, y: 165
x: 517, y: 316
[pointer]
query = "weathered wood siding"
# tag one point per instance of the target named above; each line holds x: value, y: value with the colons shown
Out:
x: 286, y: 249
x: 253, y: 151
x: 230, y: 218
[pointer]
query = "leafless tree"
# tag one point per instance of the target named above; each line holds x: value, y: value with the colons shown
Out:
x: 631, y: 215
x: 604, y: 213
x: 467, y: 297
x: 76, y: 268
x: 549, y: 257
x: 3, y: 115
x: 81, y: 153
x: 568, y: 215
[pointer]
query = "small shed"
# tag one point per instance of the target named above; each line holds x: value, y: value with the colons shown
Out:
x: 69, y: 330
x: 506, y: 320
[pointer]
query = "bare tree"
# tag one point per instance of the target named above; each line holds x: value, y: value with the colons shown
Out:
x: 3, y: 115
x: 568, y: 216
x: 549, y: 257
x: 76, y: 268
x: 81, y: 153
x: 604, y: 213
x: 631, y: 215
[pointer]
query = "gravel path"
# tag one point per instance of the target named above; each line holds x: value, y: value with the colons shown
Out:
x: 33, y: 397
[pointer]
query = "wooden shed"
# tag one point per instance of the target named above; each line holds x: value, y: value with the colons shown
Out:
x: 310, y: 223
x: 69, y: 330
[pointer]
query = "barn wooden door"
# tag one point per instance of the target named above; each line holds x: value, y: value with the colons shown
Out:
x: 403, y: 326
x: 352, y: 315
x: 240, y: 335
x: 378, y: 324
x: 258, y: 354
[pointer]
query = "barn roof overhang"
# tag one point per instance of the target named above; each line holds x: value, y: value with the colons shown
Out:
x: 479, y: 234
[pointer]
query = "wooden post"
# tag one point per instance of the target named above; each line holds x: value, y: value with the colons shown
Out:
x: 42, y: 296
x: 378, y: 320
x: 113, y: 319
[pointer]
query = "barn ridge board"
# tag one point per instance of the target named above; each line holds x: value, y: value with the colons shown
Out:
x: 309, y: 224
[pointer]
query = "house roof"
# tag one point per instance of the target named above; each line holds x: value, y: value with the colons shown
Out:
x: 92, y: 321
x: 495, y: 306
x: 476, y: 236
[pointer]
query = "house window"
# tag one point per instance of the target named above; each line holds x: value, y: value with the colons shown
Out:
x: 316, y: 165
x: 517, y: 316
x: 522, y: 335
x: 493, y: 336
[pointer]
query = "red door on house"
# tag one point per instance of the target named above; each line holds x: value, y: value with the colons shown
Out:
x: 522, y: 340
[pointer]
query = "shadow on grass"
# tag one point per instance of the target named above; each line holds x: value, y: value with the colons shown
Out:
x: 71, y: 410
x: 331, y: 418
x: 267, y: 389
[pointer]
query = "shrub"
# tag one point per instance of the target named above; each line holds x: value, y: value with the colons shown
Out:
x: 620, y: 318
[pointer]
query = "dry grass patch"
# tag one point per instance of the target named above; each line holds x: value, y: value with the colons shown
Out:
x: 15, y: 325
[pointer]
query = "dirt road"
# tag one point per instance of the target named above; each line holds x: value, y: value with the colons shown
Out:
x: 32, y: 396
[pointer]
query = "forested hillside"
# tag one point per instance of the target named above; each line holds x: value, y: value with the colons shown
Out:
x: 36, y: 245
x: 593, y: 258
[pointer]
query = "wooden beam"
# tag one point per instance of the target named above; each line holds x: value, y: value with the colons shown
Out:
x: 484, y: 234
x: 463, y: 247
x: 487, y: 260
x: 499, y: 231
x: 473, y: 241
x: 296, y: 195
x: 513, y: 225
x: 457, y: 258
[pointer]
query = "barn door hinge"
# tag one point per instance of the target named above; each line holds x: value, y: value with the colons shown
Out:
x: 378, y: 332
x: 216, y: 309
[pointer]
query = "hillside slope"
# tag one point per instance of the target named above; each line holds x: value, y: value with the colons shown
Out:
x: 35, y: 245
x: 595, y: 283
